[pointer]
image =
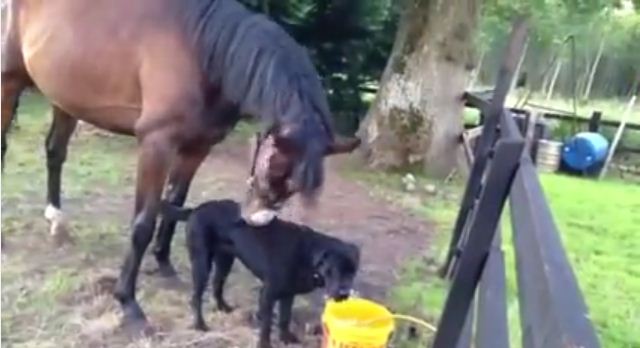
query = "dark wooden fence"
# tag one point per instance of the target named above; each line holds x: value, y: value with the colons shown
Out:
x: 552, y: 309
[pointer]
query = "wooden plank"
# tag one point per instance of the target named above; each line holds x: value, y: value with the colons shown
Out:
x: 552, y: 310
x: 492, y: 330
x: 549, y: 108
x: 468, y: 149
x: 473, y: 132
x: 628, y: 149
x: 477, y: 100
x: 481, y: 233
x: 467, y: 331
x: 487, y: 139
x: 578, y: 119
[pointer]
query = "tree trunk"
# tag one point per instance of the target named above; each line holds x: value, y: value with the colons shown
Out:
x: 476, y: 72
x: 635, y: 86
x: 547, y: 72
x: 552, y: 84
x: 592, y: 73
x: 416, y: 118
x: 516, y: 74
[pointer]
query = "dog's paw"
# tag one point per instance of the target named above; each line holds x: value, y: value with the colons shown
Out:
x: 289, y: 338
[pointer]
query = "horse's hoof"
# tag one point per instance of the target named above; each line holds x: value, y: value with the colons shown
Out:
x: 166, y: 270
x: 200, y: 326
x: 136, y: 328
x: 134, y: 323
x: 225, y: 307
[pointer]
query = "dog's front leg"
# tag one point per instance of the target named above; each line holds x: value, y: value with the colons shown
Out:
x: 265, y: 313
x: 286, y: 336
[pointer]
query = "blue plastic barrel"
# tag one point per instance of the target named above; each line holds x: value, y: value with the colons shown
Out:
x: 585, y: 150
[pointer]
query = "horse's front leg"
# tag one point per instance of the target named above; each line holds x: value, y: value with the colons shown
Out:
x: 182, y: 173
x: 56, y: 145
x: 155, y: 151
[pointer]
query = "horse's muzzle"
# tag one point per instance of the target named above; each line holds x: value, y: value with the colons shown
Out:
x: 260, y: 218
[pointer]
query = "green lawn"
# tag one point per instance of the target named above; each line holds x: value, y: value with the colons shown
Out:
x: 599, y: 225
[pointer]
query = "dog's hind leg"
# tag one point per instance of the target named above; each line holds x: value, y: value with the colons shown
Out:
x: 200, y: 269
x: 224, y: 262
x: 285, y: 307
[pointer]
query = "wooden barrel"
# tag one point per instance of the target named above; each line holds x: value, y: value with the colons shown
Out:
x: 548, y: 156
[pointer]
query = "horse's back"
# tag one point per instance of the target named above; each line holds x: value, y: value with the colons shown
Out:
x: 92, y: 57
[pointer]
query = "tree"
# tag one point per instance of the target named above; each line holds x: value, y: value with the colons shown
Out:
x: 349, y: 42
x: 416, y: 118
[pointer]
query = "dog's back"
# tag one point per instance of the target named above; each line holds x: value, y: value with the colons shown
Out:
x: 221, y: 213
x: 278, y: 249
x: 209, y: 224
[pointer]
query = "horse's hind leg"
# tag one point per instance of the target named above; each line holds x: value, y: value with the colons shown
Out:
x: 182, y: 172
x: 14, y: 75
x: 56, y: 149
x: 12, y: 86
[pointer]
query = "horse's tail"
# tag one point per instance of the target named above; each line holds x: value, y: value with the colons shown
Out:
x: 175, y: 213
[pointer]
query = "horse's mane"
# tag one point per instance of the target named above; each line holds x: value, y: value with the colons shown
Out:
x: 255, y: 62
x: 259, y: 67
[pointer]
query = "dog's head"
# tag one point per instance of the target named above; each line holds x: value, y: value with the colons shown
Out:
x: 337, y: 267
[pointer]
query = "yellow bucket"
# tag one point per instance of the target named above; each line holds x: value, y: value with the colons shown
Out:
x: 356, y: 323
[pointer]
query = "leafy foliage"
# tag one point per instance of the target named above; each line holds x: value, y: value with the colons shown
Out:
x: 349, y: 42
x: 612, y: 23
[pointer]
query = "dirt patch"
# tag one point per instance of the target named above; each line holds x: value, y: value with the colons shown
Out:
x: 83, y: 314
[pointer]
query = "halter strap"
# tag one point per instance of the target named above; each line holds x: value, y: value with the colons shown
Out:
x: 255, y: 154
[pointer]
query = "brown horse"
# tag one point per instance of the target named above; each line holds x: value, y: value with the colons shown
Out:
x: 176, y: 75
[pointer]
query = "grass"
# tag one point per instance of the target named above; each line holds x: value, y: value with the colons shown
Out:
x: 53, y: 297
x: 49, y: 297
x: 598, y: 221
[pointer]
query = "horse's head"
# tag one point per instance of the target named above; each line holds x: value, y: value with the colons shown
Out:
x: 287, y: 162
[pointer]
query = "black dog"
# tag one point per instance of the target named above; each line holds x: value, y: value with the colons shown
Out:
x: 289, y: 259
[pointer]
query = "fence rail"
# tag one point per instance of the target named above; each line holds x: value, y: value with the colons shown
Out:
x: 552, y: 309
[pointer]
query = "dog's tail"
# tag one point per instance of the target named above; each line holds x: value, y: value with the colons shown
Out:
x: 174, y: 212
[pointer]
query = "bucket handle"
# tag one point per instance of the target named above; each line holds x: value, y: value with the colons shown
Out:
x: 409, y: 318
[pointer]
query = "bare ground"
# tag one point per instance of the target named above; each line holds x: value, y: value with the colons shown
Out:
x: 60, y: 296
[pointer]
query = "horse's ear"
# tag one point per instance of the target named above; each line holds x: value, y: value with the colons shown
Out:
x: 342, y: 145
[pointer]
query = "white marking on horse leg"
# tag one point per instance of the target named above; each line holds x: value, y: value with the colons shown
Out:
x: 58, y: 224
x: 52, y: 213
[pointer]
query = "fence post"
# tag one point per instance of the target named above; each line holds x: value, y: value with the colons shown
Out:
x: 594, y: 121
x: 492, y: 330
x: 482, y: 229
x: 487, y: 139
